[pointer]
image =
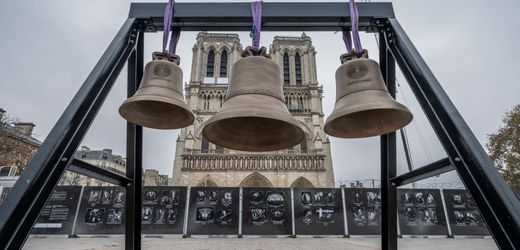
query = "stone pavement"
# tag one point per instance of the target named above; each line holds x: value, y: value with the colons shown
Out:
x: 329, y: 243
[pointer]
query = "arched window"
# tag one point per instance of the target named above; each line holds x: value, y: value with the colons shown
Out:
x: 298, y: 69
x: 300, y: 104
x: 211, y: 64
x: 223, y: 64
x: 303, y: 146
x: 205, y: 145
x: 206, y: 102
x: 219, y: 149
x: 286, y: 75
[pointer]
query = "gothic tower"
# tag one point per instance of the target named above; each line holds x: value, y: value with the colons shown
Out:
x: 201, y: 163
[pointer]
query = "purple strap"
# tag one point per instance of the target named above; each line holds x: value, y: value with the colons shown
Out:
x: 354, y: 19
x: 176, y: 33
x: 168, y: 15
x: 348, y: 40
x: 256, y: 9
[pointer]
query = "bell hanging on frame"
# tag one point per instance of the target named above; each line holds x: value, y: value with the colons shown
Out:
x: 254, y: 116
x: 363, y: 106
x: 159, y: 102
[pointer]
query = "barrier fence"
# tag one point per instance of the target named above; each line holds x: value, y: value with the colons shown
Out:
x: 76, y: 210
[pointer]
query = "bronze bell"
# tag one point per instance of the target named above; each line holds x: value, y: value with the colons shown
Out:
x: 254, y: 116
x: 363, y: 105
x: 159, y: 101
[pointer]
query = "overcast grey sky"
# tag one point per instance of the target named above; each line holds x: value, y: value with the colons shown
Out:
x: 49, y: 47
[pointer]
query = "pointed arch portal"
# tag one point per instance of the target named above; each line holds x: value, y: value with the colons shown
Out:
x: 256, y: 180
x: 302, y: 182
x: 207, y: 182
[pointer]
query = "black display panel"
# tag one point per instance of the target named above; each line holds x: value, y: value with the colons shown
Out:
x: 266, y: 211
x: 57, y: 216
x: 318, y: 211
x: 420, y: 212
x: 363, y: 207
x: 102, y: 211
x: 463, y: 214
x: 213, y: 211
x: 163, y: 210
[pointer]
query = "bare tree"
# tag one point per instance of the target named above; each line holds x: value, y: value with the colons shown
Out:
x: 16, y: 148
x: 504, y: 148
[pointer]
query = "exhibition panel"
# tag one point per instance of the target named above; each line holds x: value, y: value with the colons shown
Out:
x: 463, y: 215
x: 213, y: 211
x: 363, y: 206
x: 318, y: 211
x: 76, y: 210
x: 163, y: 210
x: 102, y: 211
x: 421, y: 212
x: 59, y: 214
x: 267, y: 211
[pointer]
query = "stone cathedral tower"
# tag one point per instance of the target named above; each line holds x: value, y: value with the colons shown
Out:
x: 201, y: 163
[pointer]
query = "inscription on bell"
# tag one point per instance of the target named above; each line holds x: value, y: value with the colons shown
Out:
x: 162, y: 70
x: 357, y: 71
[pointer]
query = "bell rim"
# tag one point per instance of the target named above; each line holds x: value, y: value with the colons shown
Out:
x: 328, y: 130
x: 345, y: 101
x: 125, y: 112
x: 297, y: 128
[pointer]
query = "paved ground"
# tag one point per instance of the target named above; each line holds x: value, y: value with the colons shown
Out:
x: 260, y: 243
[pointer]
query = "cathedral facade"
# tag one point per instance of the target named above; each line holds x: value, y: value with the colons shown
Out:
x: 201, y: 163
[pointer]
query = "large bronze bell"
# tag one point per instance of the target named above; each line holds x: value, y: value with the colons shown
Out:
x: 254, y: 116
x: 159, y: 101
x: 363, y: 105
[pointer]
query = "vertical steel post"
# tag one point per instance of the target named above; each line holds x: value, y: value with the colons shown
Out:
x: 76, y: 213
x: 292, y: 214
x: 388, y: 158
x: 446, y: 215
x: 240, y: 209
x: 186, y: 213
x: 134, y: 154
x: 344, y: 206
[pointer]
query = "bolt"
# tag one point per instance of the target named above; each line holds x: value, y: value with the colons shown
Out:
x: 129, y: 184
x: 457, y: 159
x: 64, y: 159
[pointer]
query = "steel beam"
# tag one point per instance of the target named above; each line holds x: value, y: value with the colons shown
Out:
x: 87, y: 169
x: 30, y: 193
x: 388, y: 158
x: 134, y: 154
x: 498, y: 205
x: 404, y: 139
x: 319, y: 16
x: 435, y: 168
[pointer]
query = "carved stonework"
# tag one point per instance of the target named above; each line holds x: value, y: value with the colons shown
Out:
x: 210, y: 162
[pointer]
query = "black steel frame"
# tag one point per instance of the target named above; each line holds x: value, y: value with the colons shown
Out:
x: 498, y: 205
